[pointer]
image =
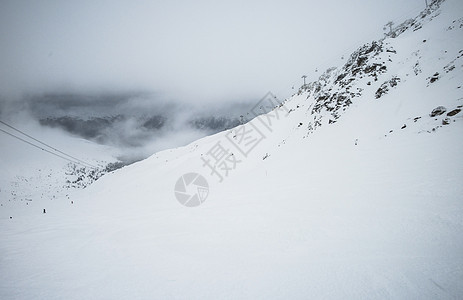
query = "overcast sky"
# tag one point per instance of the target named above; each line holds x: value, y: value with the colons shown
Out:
x: 186, y: 50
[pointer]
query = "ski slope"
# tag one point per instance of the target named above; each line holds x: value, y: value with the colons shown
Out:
x: 326, y: 200
x: 33, y: 176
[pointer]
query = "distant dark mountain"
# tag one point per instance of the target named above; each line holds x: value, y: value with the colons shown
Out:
x: 215, y: 124
x: 155, y: 122
x: 130, y: 130
x: 88, y: 129
x: 130, y: 119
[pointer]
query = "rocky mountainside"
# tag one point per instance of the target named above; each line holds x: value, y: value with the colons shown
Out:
x: 378, y: 67
x: 349, y: 189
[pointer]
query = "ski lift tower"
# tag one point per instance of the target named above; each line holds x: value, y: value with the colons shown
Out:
x: 304, y: 77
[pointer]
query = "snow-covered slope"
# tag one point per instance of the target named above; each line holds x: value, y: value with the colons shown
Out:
x: 31, y: 176
x: 350, y: 189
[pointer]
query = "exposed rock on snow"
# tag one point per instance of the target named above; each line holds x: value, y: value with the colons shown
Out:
x: 438, y: 111
x: 434, y: 77
x: 326, y: 217
x: 453, y: 112
x: 446, y: 121
x: 384, y: 88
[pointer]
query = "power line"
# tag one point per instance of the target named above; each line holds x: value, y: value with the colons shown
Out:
x: 82, y: 162
x: 73, y: 159
x: 23, y: 140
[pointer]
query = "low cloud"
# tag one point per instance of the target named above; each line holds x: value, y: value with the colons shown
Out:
x: 198, y: 51
x: 147, y: 75
x: 137, y: 123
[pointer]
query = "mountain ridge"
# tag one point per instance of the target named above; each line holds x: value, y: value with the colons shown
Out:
x: 329, y: 194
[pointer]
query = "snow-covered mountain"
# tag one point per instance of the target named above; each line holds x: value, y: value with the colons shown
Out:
x: 351, y: 188
x: 33, y: 176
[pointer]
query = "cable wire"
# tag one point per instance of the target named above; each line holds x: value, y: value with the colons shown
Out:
x: 73, y: 159
x: 23, y: 140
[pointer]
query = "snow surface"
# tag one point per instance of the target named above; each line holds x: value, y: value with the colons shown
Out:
x: 30, y: 177
x: 363, y: 208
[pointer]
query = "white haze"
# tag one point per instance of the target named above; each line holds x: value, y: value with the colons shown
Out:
x: 181, y: 59
x: 195, y: 51
x: 118, y: 120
